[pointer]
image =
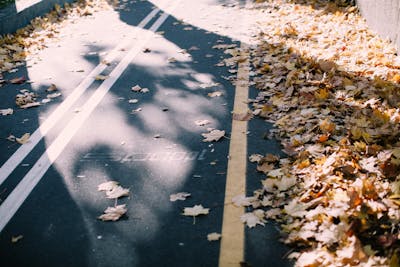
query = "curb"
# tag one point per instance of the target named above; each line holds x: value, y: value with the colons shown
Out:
x: 21, y: 12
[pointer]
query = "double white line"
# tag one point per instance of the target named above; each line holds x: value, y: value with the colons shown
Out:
x: 15, y: 199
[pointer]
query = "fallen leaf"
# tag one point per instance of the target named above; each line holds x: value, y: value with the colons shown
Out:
x: 213, y: 135
x: 19, y: 80
x: 242, y: 201
x: 52, y: 88
x: 209, y: 85
x: 179, y: 196
x: 215, y: 94
x: 113, y: 213
x: 194, y: 211
x: 23, y: 139
x: 117, y: 192
x: 53, y: 95
x: 15, y: 239
x: 107, y: 186
x: 101, y: 77
x: 136, y: 88
x: 11, y: 138
x: 265, y: 167
x: 30, y: 105
x: 251, y: 219
x: 113, y: 190
x: 255, y: 157
x: 5, y: 112
x: 214, y: 236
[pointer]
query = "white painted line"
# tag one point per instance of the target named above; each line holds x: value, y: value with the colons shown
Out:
x: 12, y: 203
x: 9, y: 166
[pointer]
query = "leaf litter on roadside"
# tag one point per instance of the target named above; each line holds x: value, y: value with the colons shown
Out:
x: 331, y: 89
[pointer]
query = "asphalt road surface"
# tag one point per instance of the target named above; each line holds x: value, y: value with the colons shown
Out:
x: 93, y: 133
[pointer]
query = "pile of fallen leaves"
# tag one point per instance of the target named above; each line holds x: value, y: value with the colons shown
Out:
x: 15, y: 48
x: 331, y: 89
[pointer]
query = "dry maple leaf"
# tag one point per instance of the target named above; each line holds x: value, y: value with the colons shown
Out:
x: 214, y: 236
x: 23, y: 139
x: 30, y: 105
x: 7, y: 111
x: 194, y: 211
x: 113, y: 190
x: 19, y: 80
x: 52, y: 88
x: 255, y: 157
x: 107, y: 186
x: 53, y: 95
x: 15, y: 239
x: 215, y: 94
x: 117, y: 192
x: 11, y: 138
x: 136, y: 88
x: 251, y: 219
x: 213, y: 135
x: 242, y: 201
x: 113, y: 213
x: 179, y: 196
x: 101, y: 77
x: 265, y: 167
x: 209, y: 85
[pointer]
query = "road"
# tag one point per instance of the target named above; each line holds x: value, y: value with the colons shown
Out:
x: 100, y: 130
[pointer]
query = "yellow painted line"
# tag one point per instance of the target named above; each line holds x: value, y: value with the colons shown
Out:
x: 232, y: 242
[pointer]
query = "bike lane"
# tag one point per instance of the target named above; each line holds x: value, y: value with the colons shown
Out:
x: 149, y: 143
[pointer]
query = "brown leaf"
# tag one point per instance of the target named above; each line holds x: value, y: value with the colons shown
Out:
x: 327, y: 66
x: 113, y: 213
x: 15, y: 239
x: 213, y: 135
x: 23, y: 139
x: 265, y: 167
x: 215, y: 94
x: 19, y: 80
x: 52, y: 88
x: 30, y: 105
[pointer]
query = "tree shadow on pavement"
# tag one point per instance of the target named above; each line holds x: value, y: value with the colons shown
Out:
x: 154, y: 148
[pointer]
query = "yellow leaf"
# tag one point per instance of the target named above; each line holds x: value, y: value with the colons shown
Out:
x: 327, y: 126
x: 101, y: 77
x: 23, y: 139
x: 322, y: 94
